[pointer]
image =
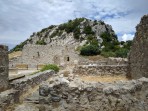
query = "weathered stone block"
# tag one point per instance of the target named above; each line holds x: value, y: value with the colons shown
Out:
x: 138, y: 57
x: 4, y: 62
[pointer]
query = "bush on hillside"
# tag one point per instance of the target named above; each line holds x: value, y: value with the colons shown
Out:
x: 89, y: 50
x: 77, y: 33
x: 88, y: 30
x: 40, y: 42
x: 92, y: 40
x: 122, y: 52
x: 50, y: 67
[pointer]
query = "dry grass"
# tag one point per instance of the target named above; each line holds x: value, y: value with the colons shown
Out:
x: 22, y: 66
x: 15, y: 54
x: 103, y: 78
x: 40, y: 66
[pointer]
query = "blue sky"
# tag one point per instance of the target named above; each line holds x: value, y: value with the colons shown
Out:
x: 20, y: 18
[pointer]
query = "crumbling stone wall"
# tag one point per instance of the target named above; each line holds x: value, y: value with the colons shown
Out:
x: 33, y: 55
x: 3, y: 67
x: 72, y: 94
x: 100, y: 70
x: 21, y: 86
x: 138, y: 57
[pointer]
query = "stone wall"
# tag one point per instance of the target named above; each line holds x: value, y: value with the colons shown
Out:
x: 24, y: 84
x: 100, y: 70
x: 33, y: 55
x: 3, y: 67
x: 72, y: 94
x: 8, y: 97
x: 138, y: 57
x: 20, y: 87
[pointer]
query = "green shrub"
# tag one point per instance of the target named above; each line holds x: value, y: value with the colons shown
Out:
x: 92, y: 40
x: 77, y: 33
x: 54, y: 34
x: 108, y: 54
x: 40, y: 42
x: 20, y: 46
x: 89, y: 50
x: 127, y: 44
x: 50, y: 67
x: 122, y: 52
x: 88, y: 30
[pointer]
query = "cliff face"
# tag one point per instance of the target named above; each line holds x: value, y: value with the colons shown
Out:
x: 138, y: 57
x: 73, y: 31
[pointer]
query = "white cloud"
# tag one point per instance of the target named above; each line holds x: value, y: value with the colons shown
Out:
x: 18, y: 20
x: 126, y: 37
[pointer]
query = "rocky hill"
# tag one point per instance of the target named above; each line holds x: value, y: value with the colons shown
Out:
x: 80, y: 30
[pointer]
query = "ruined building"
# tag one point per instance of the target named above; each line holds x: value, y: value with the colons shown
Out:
x: 138, y: 57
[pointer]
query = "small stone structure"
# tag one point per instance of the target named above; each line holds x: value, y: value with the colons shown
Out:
x: 3, y: 67
x: 100, y: 70
x: 138, y: 57
x: 72, y: 94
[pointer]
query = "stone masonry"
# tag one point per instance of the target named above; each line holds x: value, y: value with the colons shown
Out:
x: 72, y: 94
x: 3, y: 67
x: 100, y: 70
x: 138, y: 57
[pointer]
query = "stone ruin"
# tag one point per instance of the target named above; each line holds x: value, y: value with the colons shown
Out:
x: 3, y: 67
x: 72, y: 94
x: 138, y: 57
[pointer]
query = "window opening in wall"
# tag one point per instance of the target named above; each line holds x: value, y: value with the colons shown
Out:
x: 67, y: 58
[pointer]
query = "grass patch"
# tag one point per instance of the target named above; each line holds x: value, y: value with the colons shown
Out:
x: 50, y: 67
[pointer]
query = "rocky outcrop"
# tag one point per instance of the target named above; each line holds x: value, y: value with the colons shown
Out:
x: 72, y: 94
x: 73, y: 31
x: 138, y: 57
x: 3, y: 67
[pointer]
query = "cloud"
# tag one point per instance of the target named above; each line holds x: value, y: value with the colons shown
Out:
x: 18, y: 20
x: 126, y: 37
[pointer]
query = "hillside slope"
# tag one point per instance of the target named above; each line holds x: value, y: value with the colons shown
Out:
x: 80, y: 30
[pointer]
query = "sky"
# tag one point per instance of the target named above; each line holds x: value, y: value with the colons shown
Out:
x: 20, y: 18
